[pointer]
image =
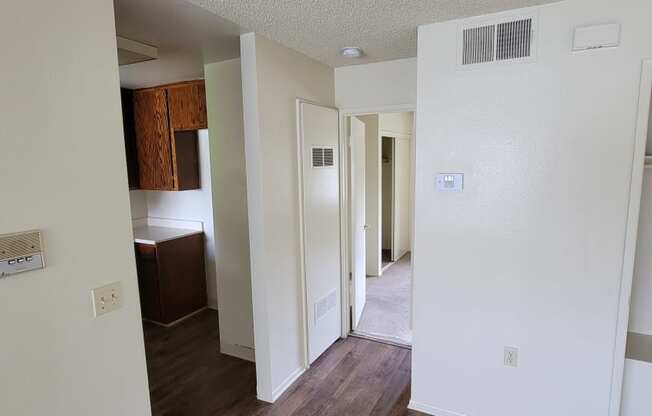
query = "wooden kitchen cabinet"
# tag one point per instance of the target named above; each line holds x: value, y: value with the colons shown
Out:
x: 166, y: 122
x: 129, y: 130
x: 171, y: 278
x: 153, y: 142
x: 187, y: 104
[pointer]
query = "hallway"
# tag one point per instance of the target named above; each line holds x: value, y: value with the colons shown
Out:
x: 387, y: 312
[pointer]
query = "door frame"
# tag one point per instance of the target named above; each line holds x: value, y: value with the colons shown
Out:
x: 631, y: 234
x: 345, y: 203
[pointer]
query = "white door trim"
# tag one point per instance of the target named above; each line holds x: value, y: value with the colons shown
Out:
x: 629, y: 254
x: 302, y: 247
x: 345, y: 203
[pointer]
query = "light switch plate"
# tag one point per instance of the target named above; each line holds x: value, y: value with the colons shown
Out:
x: 450, y: 182
x: 107, y: 298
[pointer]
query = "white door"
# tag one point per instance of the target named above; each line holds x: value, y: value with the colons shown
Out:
x: 319, y: 147
x: 358, y: 218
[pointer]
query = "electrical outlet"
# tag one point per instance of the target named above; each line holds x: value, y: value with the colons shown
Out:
x: 511, y: 357
x: 107, y: 298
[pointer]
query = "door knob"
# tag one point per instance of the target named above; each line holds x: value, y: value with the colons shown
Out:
x: 365, y: 227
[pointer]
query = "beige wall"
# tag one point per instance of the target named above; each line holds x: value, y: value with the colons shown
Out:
x: 225, y: 124
x: 273, y: 78
x: 63, y: 171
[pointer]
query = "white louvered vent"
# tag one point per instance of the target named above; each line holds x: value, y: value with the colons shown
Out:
x: 514, y: 40
x: 323, y: 157
x: 499, y: 42
x: 478, y: 45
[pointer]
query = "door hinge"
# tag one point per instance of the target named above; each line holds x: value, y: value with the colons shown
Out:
x: 350, y: 276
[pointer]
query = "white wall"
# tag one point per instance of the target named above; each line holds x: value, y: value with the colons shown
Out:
x: 369, y: 86
x: 637, y: 400
x: 273, y: 76
x: 530, y: 254
x: 63, y: 171
x: 138, y: 204
x: 225, y: 124
x: 372, y: 194
x: 194, y: 205
x: 396, y: 123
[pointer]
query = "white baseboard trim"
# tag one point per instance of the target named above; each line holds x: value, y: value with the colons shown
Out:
x: 238, y: 351
x: 431, y: 410
x: 277, y: 392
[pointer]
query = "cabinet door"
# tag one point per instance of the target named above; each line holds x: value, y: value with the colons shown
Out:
x: 182, y: 276
x: 187, y: 104
x: 153, y: 140
x: 127, y: 98
x: 148, y: 282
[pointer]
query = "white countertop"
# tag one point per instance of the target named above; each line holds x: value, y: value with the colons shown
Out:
x: 149, y: 234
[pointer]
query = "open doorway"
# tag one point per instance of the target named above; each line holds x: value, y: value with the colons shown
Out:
x: 181, y: 101
x: 381, y: 196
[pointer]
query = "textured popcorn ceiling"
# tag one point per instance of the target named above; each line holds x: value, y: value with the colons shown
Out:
x: 385, y: 29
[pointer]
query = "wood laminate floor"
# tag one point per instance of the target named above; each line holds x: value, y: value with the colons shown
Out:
x: 189, y: 377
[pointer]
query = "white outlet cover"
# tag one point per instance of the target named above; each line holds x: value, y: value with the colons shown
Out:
x: 107, y: 298
x: 511, y: 357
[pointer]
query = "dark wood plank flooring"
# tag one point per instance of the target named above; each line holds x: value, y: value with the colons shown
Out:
x: 189, y: 377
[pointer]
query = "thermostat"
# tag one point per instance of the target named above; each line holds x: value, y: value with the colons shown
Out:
x: 450, y: 182
x: 20, y: 252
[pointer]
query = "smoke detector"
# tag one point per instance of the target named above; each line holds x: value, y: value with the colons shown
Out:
x: 351, y: 52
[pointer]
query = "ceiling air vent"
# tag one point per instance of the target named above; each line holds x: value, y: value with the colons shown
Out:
x: 499, y: 42
x: 323, y: 157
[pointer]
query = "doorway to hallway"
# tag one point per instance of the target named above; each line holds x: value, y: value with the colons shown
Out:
x: 380, y: 193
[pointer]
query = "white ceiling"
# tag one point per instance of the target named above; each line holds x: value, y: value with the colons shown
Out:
x: 186, y: 36
x: 385, y: 29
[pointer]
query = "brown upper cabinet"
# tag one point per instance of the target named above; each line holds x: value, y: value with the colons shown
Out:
x: 127, y: 98
x: 187, y: 104
x: 166, y: 122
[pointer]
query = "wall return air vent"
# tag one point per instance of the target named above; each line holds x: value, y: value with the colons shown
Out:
x: 323, y: 157
x: 498, y: 42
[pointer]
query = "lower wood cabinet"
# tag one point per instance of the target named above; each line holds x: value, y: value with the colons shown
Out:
x: 171, y: 278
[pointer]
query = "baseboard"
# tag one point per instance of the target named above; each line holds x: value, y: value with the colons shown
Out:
x: 238, y: 351
x: 277, y: 392
x: 431, y: 410
x: 212, y: 303
x: 178, y: 321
